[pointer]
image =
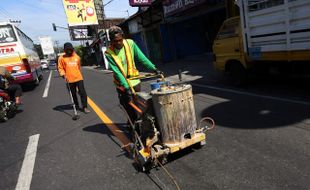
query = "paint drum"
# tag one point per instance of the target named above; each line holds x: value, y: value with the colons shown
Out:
x: 175, y: 113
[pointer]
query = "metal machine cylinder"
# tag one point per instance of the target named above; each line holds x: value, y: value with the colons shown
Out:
x: 175, y: 112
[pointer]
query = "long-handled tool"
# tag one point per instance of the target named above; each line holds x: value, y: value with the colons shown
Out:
x: 147, y: 76
x: 75, y: 116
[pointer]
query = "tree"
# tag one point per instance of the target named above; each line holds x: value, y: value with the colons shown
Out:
x: 79, y: 50
x: 86, y: 57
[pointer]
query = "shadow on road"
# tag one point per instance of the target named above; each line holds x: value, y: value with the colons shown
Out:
x: 64, y: 109
x: 254, y: 113
x: 28, y: 87
x: 103, y: 129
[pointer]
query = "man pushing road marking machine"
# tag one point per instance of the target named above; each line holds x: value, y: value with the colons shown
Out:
x: 163, y: 121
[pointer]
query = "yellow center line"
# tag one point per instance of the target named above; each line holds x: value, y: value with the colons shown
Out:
x: 109, y: 123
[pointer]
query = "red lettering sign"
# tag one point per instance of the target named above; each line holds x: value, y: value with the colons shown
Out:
x: 7, y: 50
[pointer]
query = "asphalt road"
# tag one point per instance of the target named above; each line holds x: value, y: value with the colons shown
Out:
x: 260, y: 142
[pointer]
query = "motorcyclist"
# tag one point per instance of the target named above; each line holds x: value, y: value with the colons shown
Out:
x: 14, y: 90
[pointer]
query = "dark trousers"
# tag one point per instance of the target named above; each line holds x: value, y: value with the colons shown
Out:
x: 14, y: 90
x: 80, y: 86
x: 124, y: 102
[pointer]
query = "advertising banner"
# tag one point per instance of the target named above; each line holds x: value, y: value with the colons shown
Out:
x: 140, y: 3
x: 47, y: 45
x: 79, y: 33
x: 80, y: 12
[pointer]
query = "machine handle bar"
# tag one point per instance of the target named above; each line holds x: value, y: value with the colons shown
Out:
x: 147, y: 76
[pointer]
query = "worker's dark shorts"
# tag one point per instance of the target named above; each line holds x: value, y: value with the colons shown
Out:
x: 14, y: 90
x: 124, y: 102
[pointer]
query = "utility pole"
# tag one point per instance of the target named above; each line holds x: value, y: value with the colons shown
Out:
x: 57, y: 45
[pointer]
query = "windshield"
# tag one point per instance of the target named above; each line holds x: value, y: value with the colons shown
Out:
x: 7, y: 34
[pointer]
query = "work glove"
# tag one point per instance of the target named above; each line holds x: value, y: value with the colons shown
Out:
x: 128, y: 95
x: 158, y: 72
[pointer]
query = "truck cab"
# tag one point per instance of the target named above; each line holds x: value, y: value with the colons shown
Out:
x: 270, y: 37
x: 228, y: 50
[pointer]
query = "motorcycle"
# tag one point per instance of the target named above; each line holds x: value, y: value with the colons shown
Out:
x: 8, y: 108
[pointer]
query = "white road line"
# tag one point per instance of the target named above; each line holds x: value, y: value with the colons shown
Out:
x: 47, y: 87
x: 254, y: 95
x: 25, y: 175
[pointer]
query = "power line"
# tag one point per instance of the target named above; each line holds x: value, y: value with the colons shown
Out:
x: 4, y: 12
x: 108, y: 3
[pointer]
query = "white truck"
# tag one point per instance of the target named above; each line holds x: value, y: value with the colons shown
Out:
x: 272, y: 34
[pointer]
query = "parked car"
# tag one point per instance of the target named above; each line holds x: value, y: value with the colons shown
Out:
x: 44, y: 65
x: 52, y: 64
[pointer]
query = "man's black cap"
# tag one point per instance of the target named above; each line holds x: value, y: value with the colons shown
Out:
x: 68, y: 45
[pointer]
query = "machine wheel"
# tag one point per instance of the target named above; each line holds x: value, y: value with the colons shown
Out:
x: 198, y: 145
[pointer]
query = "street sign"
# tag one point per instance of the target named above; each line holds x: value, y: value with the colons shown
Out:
x: 80, y: 12
x: 140, y: 3
x: 47, y: 45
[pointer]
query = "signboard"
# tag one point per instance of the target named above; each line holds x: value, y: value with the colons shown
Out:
x: 140, y: 3
x: 175, y: 6
x: 7, y: 34
x: 255, y: 53
x: 79, y: 33
x: 80, y: 12
x: 47, y: 45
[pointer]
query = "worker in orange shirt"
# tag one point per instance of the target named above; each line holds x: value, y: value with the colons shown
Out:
x: 69, y: 67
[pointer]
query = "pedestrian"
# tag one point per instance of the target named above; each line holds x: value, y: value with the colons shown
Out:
x: 122, y: 56
x: 14, y: 90
x: 69, y: 67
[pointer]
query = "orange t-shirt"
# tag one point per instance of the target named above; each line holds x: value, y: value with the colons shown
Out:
x: 70, y: 67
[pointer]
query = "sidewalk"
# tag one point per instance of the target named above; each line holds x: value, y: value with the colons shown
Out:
x: 197, y: 68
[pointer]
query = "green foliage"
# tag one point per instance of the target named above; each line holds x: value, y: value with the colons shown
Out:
x: 86, y: 57
x: 80, y: 50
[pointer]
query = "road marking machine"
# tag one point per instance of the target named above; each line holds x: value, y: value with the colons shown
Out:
x: 166, y: 122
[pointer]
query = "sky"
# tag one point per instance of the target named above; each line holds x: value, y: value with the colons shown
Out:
x: 37, y: 16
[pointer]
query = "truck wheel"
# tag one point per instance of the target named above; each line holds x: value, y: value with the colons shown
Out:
x: 238, y: 74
